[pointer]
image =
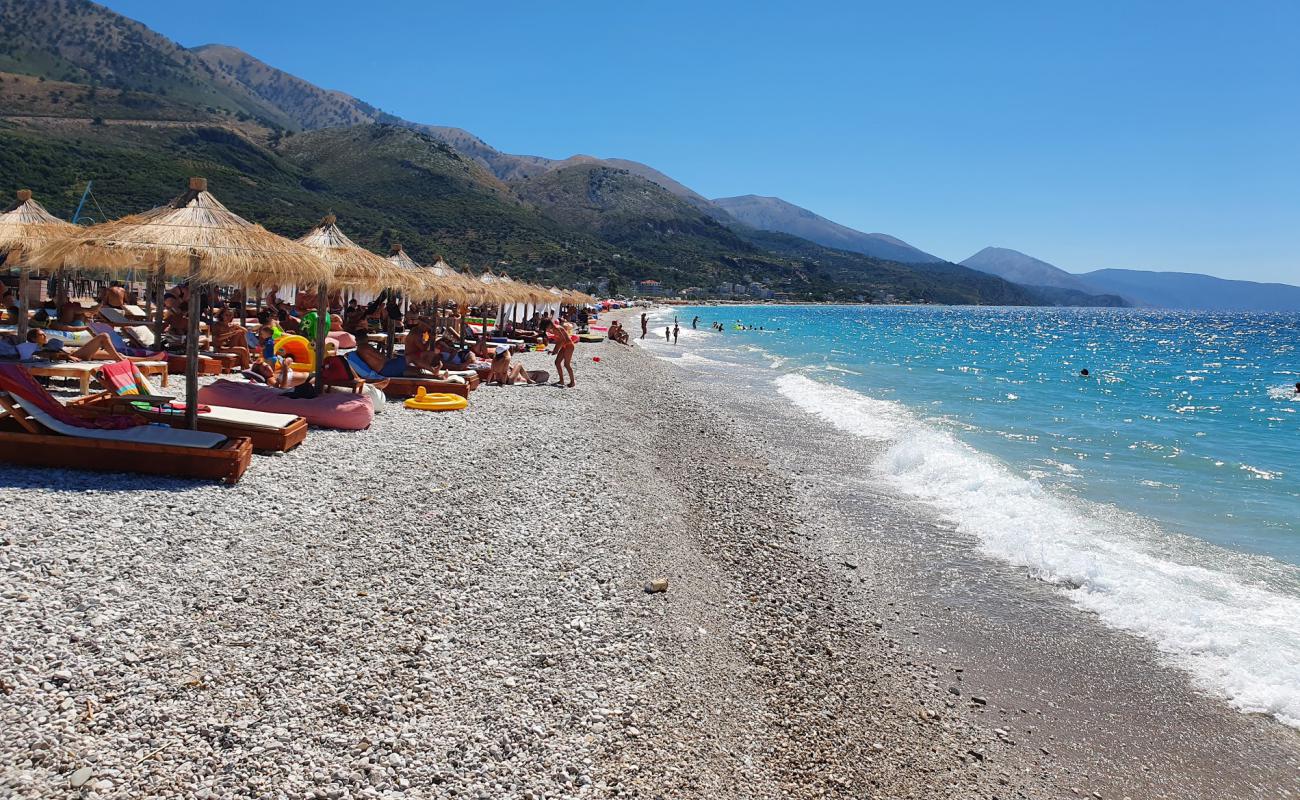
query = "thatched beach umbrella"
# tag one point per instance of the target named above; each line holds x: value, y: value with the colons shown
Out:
x: 353, y: 267
x: 25, y: 227
x: 196, y: 237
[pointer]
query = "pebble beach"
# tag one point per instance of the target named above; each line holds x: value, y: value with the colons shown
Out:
x: 640, y: 587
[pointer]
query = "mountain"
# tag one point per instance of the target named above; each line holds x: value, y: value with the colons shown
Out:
x: 90, y: 95
x: 1023, y: 269
x: 775, y: 214
x: 931, y: 283
x: 304, y: 104
x: 79, y: 42
x: 1180, y: 290
x: 1186, y: 290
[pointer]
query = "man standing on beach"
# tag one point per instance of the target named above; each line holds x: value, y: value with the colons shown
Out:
x: 675, y: 329
x: 644, y: 325
x: 668, y: 334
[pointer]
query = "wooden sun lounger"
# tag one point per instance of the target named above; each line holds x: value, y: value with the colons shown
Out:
x: 83, y: 371
x: 269, y: 433
x: 31, y: 437
x: 399, y: 388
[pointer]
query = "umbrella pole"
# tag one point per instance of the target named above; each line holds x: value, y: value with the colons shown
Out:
x: 158, y: 288
x: 22, y: 304
x: 322, y: 325
x: 388, y: 327
x: 192, y: 348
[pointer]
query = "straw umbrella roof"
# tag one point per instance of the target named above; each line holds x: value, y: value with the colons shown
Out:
x: 28, y: 226
x: 522, y: 292
x: 354, y: 266
x: 491, y: 291
x: 453, y: 285
x: 194, y: 229
x: 415, y: 282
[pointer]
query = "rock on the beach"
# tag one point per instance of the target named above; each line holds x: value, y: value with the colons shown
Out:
x: 81, y: 776
x: 657, y: 585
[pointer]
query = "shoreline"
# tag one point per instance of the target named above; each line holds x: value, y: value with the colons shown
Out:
x: 465, y: 612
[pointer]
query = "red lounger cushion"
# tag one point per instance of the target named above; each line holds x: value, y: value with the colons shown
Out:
x: 348, y: 412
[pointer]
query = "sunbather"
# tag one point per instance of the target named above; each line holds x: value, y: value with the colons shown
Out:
x: 99, y: 348
x: 505, y: 372
x: 228, y: 337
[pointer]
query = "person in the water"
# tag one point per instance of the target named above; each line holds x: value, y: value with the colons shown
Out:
x: 1083, y: 373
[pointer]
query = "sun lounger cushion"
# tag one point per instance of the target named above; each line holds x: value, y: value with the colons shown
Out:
x: 141, y: 332
x: 142, y: 434
x: 349, y: 412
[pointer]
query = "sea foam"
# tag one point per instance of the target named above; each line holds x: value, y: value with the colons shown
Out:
x: 1237, y: 630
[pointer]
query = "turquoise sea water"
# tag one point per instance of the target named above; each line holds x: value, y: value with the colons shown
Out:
x: 1162, y: 490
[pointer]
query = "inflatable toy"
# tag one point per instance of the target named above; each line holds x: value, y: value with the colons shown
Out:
x: 425, y: 401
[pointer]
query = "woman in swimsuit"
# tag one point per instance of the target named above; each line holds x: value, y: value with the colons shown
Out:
x: 563, y: 353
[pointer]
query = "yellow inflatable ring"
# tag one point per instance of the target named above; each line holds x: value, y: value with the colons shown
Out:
x: 435, y: 402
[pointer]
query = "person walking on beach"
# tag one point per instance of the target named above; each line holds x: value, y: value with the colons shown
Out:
x: 668, y: 334
x: 645, y: 323
x: 675, y: 329
x: 563, y: 353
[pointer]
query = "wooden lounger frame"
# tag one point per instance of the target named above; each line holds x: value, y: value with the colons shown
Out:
x: 23, y: 440
x: 263, y: 439
x: 399, y: 388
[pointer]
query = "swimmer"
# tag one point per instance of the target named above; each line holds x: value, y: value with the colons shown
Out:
x: 1083, y: 373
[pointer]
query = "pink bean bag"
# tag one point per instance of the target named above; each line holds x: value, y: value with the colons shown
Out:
x: 348, y: 412
x: 341, y: 339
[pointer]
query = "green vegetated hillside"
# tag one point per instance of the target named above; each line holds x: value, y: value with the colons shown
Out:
x: 398, y: 187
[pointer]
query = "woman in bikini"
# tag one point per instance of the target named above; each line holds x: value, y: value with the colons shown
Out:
x: 563, y: 352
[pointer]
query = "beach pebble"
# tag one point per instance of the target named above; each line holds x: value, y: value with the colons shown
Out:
x: 82, y: 775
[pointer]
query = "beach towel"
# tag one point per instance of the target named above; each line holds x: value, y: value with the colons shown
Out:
x: 363, y: 369
x: 125, y: 379
x: 16, y: 381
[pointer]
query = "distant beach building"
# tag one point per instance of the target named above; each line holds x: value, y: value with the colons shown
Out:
x: 650, y: 287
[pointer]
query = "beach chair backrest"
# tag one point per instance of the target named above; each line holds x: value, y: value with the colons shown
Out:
x: 18, y: 382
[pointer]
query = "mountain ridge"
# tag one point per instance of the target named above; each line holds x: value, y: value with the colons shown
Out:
x: 1174, y: 290
x: 775, y: 214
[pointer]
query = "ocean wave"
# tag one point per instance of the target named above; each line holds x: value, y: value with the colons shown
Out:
x: 1237, y: 633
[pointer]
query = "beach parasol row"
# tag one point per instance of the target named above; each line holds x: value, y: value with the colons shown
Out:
x: 196, y: 238
x: 25, y: 227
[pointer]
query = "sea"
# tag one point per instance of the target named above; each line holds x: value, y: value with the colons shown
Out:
x: 1160, y: 491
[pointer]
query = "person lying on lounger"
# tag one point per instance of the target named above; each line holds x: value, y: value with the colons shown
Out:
x: 99, y: 348
x: 71, y: 317
x: 423, y: 359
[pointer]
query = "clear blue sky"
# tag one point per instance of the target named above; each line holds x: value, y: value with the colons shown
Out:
x: 1090, y: 134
